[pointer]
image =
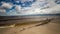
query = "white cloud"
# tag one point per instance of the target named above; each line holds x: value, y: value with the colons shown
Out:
x: 55, y: 9
x: 17, y: 1
x: 49, y: 8
x: 52, y: 10
x: 25, y: 0
x: 7, y: 5
x: 2, y: 11
x: 36, y: 9
x: 18, y: 8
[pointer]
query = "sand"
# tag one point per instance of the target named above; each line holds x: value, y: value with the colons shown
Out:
x: 53, y: 27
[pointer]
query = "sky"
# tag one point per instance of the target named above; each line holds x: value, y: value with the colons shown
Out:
x: 29, y: 7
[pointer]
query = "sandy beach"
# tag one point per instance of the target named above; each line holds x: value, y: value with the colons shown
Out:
x: 51, y: 27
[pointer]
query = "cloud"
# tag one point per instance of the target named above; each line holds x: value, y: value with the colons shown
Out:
x: 17, y: 1
x: 38, y: 7
x: 7, y: 5
x: 2, y: 11
x: 26, y: 0
x: 18, y: 8
x: 50, y: 8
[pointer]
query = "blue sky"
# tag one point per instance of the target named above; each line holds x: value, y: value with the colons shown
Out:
x: 27, y: 7
x: 27, y: 3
